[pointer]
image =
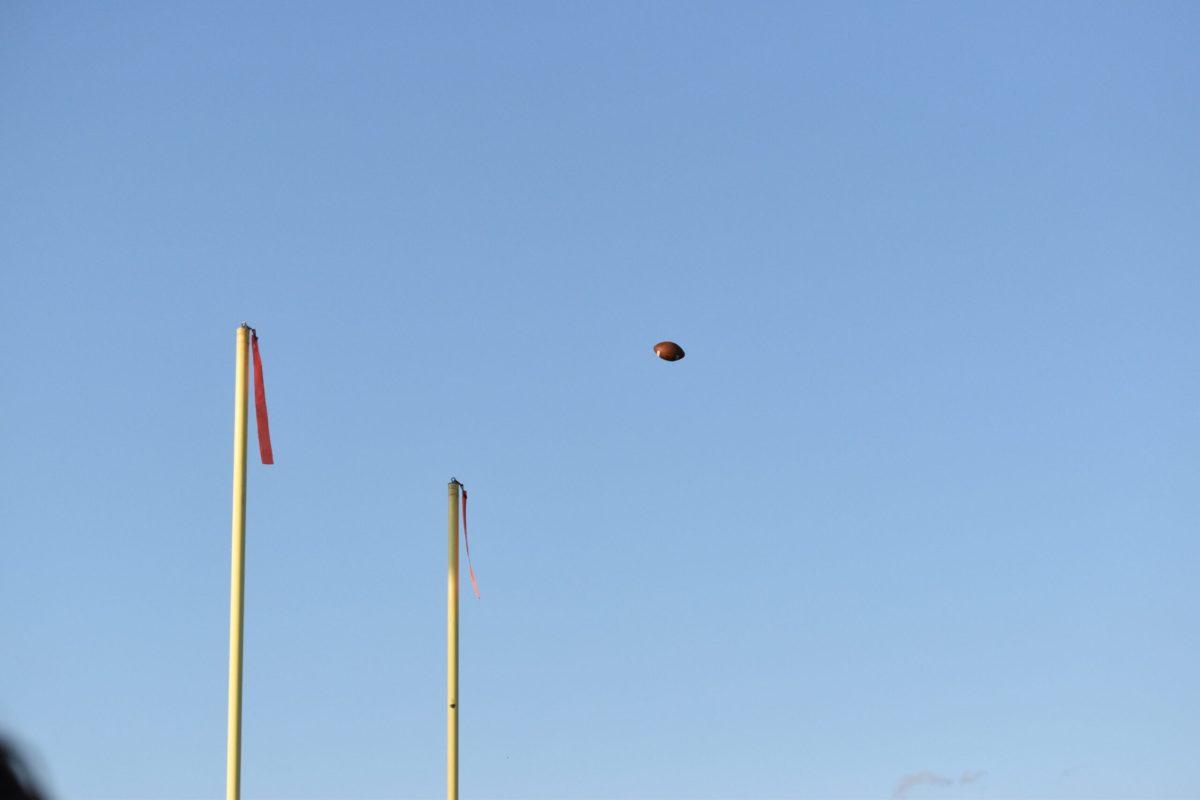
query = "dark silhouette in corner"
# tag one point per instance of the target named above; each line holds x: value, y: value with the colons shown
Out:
x: 15, y: 781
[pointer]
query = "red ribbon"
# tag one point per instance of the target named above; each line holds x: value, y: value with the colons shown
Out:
x: 260, y: 404
x: 467, y: 542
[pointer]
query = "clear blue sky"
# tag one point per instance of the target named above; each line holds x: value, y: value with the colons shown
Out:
x: 923, y: 496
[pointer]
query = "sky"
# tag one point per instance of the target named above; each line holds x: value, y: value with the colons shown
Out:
x: 915, y: 518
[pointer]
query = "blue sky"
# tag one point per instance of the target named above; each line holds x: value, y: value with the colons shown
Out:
x: 922, y: 497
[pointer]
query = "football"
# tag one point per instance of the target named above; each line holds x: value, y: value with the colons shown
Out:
x: 668, y: 351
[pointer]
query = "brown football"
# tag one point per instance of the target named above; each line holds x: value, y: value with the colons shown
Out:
x: 668, y: 351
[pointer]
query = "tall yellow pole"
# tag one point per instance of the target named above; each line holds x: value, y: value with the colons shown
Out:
x: 452, y: 649
x: 237, y: 579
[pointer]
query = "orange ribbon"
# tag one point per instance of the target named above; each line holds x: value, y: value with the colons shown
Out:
x: 260, y: 404
x: 467, y: 542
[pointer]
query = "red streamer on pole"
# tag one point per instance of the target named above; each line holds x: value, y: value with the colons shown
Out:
x: 467, y: 542
x: 260, y: 404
